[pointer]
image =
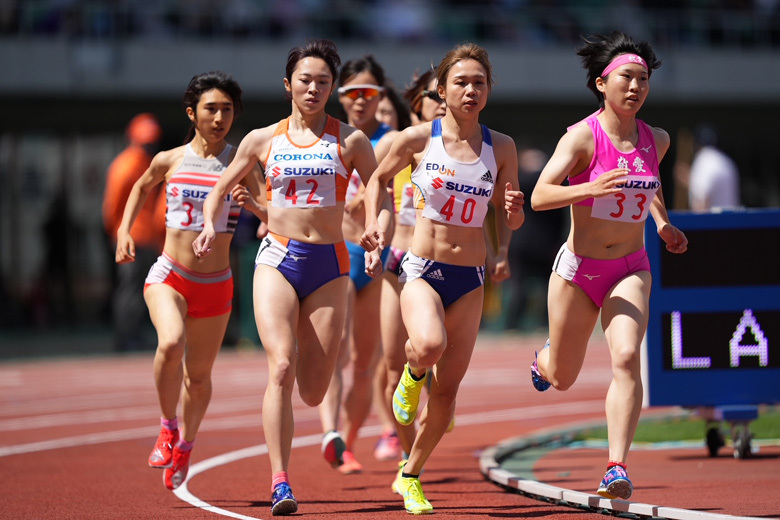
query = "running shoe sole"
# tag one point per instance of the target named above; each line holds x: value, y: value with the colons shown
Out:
x: 287, y: 506
x: 282, y: 500
x: 333, y: 448
x: 617, y: 489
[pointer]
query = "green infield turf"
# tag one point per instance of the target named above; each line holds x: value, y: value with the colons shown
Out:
x: 691, y: 427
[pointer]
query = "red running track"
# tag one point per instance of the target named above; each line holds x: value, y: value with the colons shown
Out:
x: 75, y: 435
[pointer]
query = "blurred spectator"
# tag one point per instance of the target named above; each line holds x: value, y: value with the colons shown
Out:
x: 131, y: 320
x: 403, y: 20
x: 692, y: 23
x: 531, y: 252
x: 393, y: 110
x: 714, y: 177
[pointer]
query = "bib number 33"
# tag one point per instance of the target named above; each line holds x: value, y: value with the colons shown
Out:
x: 632, y: 204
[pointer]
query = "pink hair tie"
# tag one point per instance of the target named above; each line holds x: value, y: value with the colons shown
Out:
x: 622, y: 60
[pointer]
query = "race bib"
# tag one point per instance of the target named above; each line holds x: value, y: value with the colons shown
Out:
x: 631, y: 204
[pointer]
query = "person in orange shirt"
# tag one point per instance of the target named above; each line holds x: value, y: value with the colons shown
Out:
x: 132, y: 326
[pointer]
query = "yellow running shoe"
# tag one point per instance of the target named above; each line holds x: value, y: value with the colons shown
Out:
x: 407, y: 397
x: 451, y: 426
x: 396, y: 486
x: 414, y: 499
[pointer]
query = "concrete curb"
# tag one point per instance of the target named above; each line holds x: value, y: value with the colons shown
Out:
x: 490, y: 465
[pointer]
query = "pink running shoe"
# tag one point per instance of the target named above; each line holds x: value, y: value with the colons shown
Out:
x: 177, y: 473
x: 351, y: 465
x: 162, y: 452
x: 388, y: 447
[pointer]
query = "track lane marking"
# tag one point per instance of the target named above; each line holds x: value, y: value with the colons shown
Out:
x: 534, y: 412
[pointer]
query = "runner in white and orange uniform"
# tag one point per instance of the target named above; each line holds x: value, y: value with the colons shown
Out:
x: 300, y: 283
x: 458, y: 168
x: 611, y: 161
x: 190, y: 298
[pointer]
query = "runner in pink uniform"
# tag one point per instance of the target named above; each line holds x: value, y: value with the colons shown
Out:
x: 611, y: 161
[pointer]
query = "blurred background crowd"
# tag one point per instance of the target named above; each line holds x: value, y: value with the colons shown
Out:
x: 75, y: 72
x: 744, y: 23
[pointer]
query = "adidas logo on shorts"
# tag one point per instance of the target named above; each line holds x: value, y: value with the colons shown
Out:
x: 436, y: 275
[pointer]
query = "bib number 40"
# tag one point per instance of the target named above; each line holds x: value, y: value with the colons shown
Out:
x: 466, y: 214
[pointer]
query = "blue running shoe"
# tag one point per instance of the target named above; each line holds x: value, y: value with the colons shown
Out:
x: 537, y: 380
x: 282, y: 500
x: 616, y: 484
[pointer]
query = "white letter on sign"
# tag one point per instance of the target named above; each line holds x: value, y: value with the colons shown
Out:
x: 737, y: 351
x: 678, y: 361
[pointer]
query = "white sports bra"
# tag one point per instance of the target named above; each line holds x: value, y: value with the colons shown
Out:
x: 188, y: 187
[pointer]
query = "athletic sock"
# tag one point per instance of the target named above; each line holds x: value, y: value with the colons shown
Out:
x: 416, y: 378
x: 184, y: 445
x: 169, y: 424
x: 278, y: 478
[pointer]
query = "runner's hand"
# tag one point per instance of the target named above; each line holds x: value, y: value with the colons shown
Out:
x: 202, y: 245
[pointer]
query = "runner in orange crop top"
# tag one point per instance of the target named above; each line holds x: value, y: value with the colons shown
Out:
x: 300, y: 333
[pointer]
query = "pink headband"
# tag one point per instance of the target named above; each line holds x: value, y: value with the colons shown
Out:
x: 622, y: 60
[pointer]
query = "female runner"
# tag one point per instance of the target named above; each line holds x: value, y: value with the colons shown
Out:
x: 190, y: 297
x: 611, y: 161
x: 458, y: 168
x: 302, y: 265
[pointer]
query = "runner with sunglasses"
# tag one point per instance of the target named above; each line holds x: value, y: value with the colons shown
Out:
x: 366, y: 92
x: 302, y: 265
x: 394, y: 110
x: 362, y: 86
x: 458, y: 167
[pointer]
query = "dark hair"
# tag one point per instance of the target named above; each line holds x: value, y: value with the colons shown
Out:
x: 463, y: 52
x: 413, y: 92
x: 208, y: 81
x: 323, y: 49
x: 402, y: 111
x: 597, y: 51
x: 366, y: 63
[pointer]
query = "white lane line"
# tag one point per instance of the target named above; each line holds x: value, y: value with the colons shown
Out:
x: 72, y: 442
x: 115, y: 436
x: 184, y: 494
x: 255, y: 420
x: 118, y: 414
